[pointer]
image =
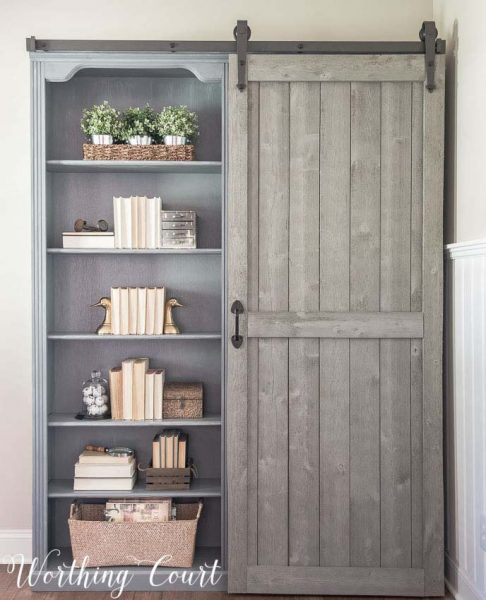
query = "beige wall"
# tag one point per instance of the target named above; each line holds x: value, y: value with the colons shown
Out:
x: 119, y: 19
x: 462, y: 24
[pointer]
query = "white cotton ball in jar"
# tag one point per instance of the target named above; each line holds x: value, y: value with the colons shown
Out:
x: 104, y: 397
x: 104, y: 409
x: 99, y: 401
x: 92, y: 410
x: 87, y: 391
x: 89, y: 400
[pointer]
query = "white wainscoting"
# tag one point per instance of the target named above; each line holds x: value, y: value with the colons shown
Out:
x: 14, y: 542
x: 465, y: 418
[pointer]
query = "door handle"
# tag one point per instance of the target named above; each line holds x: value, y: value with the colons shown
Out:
x: 237, y: 310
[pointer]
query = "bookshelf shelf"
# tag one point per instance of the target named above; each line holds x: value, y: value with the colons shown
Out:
x: 183, y: 251
x: 134, y: 166
x: 200, y: 488
x: 69, y: 420
x: 80, y: 336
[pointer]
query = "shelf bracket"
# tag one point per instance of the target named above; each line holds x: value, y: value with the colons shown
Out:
x: 242, y: 34
x: 428, y: 35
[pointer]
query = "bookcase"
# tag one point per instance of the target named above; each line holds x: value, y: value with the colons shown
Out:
x: 67, y: 281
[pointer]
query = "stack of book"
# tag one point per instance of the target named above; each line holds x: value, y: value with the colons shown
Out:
x: 88, y: 239
x: 139, y: 510
x: 137, y: 222
x: 136, y: 391
x: 169, y: 450
x: 137, y: 311
x: 98, y: 471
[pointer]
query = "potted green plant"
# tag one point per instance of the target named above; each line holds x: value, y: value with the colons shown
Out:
x: 101, y: 123
x: 176, y: 125
x: 138, y: 125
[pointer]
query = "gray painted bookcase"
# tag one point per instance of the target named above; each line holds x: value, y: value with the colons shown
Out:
x: 66, y: 282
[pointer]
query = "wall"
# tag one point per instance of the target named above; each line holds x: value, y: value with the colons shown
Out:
x: 118, y: 19
x: 461, y: 23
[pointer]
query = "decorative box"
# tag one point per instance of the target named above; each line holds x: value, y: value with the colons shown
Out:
x: 183, y: 401
x: 179, y: 229
x: 167, y: 479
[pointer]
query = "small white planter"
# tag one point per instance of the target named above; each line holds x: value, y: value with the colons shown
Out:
x: 140, y: 140
x: 102, y: 140
x: 175, y: 140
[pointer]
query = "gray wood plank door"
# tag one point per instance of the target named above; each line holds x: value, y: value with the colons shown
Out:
x: 334, y: 418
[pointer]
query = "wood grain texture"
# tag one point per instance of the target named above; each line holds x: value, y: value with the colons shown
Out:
x: 433, y: 508
x: 336, y: 580
x: 335, y: 324
x: 304, y: 353
x: 236, y: 423
x: 334, y: 296
x: 336, y: 67
x: 365, y: 297
x: 395, y: 456
x: 416, y: 238
x: 253, y: 236
x: 273, y: 353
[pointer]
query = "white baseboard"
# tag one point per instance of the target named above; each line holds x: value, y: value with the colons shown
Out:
x: 14, y: 542
x: 459, y: 584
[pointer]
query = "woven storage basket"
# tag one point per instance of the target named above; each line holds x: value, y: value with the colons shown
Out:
x: 128, y: 152
x: 120, y: 544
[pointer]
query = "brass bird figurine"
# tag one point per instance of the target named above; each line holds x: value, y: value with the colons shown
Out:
x: 170, y: 327
x: 105, y: 327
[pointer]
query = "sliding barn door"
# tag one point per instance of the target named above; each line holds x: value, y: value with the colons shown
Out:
x: 334, y: 419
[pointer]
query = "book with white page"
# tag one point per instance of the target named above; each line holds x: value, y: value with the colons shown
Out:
x: 132, y: 310
x: 150, y: 312
x: 117, y: 221
x: 127, y: 386
x: 126, y: 222
x: 141, y: 310
x: 124, y: 311
x: 134, y: 206
x: 142, y: 221
x: 104, y: 484
x: 159, y: 311
x: 115, y: 311
x: 149, y: 394
x: 158, y: 393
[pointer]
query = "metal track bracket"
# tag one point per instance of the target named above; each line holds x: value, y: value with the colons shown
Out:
x: 428, y: 35
x: 242, y: 34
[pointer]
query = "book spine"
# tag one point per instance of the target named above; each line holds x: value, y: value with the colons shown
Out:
x: 134, y: 203
x: 126, y: 222
x: 117, y: 210
x: 159, y: 311
x: 142, y: 309
x: 127, y: 379
x: 157, y: 225
x: 142, y: 221
x: 124, y: 311
x: 115, y: 311
x: 150, y: 312
x: 132, y: 310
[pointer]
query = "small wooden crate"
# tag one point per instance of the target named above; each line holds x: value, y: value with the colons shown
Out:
x: 167, y: 479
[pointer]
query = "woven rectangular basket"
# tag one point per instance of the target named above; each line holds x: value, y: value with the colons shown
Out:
x: 128, y: 152
x: 120, y: 544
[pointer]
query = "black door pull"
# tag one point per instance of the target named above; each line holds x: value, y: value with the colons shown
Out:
x: 237, y: 310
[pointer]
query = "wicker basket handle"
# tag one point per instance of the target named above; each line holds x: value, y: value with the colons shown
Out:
x: 199, y: 510
x: 73, y: 509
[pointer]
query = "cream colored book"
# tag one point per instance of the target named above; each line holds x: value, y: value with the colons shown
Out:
x: 126, y: 222
x: 115, y: 311
x: 150, y: 216
x: 98, y: 458
x: 140, y: 367
x: 127, y: 384
x: 159, y: 381
x: 149, y: 394
x: 117, y: 221
x: 159, y: 311
x: 182, y: 450
x: 104, y: 484
x: 104, y: 470
x: 132, y: 310
x: 141, y: 310
x: 91, y: 239
x: 116, y: 393
x: 163, y: 451
x: 142, y: 221
x: 156, y: 452
x: 157, y: 226
x: 124, y: 311
x: 150, y: 312
x: 169, y: 450
x: 134, y: 205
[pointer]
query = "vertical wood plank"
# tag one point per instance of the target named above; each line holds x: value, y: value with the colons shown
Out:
x: 236, y: 420
x: 304, y: 353
x: 273, y: 353
x: 395, y: 451
x: 334, y: 296
x: 364, y: 354
x: 416, y: 305
x: 433, y: 508
x: 253, y: 235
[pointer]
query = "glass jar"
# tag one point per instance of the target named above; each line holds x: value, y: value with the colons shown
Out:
x: 96, y: 402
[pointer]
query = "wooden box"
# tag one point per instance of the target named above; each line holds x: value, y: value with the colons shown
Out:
x: 183, y: 401
x: 167, y: 479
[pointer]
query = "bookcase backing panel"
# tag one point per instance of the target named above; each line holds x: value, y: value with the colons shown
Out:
x: 79, y: 281
x: 90, y: 196
x: 65, y: 103
x: 67, y: 444
x: 183, y: 361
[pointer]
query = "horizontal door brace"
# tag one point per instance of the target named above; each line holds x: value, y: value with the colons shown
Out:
x: 366, y: 325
